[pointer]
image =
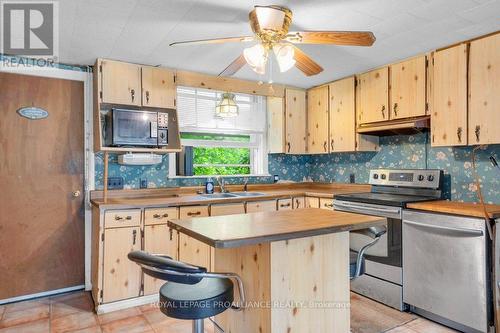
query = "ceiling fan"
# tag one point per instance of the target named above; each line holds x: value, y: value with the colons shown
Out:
x: 270, y: 25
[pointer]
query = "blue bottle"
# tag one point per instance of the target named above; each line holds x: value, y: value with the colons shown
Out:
x: 209, y: 186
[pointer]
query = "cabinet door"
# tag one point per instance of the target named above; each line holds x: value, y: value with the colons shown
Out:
x: 326, y: 203
x: 159, y: 240
x: 227, y: 209
x: 342, y: 116
x: 295, y: 121
x: 158, y: 87
x: 275, y: 125
x: 191, y: 250
x: 484, y: 87
x: 299, y: 202
x: 373, y: 96
x: 317, y: 120
x: 261, y: 206
x: 408, y: 88
x: 121, y: 277
x: 120, y: 82
x: 449, y: 105
x: 312, y: 202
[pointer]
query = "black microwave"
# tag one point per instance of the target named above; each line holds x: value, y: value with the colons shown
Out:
x: 130, y: 128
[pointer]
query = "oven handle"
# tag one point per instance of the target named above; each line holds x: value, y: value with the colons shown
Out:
x: 365, y: 209
x: 461, y: 231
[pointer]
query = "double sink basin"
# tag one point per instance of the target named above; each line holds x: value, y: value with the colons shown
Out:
x: 231, y: 195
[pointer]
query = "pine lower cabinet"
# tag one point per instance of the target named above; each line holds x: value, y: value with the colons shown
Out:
x: 261, y: 206
x: 191, y: 250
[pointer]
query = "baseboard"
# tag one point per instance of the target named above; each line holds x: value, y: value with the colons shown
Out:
x: 42, y: 294
x: 125, y: 304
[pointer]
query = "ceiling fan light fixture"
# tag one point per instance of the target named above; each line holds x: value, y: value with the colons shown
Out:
x: 256, y: 58
x: 227, y: 107
x: 285, y: 56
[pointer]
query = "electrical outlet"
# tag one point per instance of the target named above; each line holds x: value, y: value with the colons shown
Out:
x: 143, y: 183
x: 115, y: 183
x: 352, y: 178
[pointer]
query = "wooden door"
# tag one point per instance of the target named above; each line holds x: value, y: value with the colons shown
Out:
x: 227, y: 209
x: 121, y: 276
x: 191, y: 250
x: 120, y: 82
x: 484, y: 88
x: 449, y: 104
x: 275, y: 125
x: 373, y: 96
x: 41, y: 165
x: 158, y: 87
x: 408, y: 88
x: 342, y: 115
x: 261, y: 206
x: 159, y: 240
x: 295, y: 121
x: 317, y: 120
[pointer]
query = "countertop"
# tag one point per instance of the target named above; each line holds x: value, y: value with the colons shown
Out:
x: 188, y: 196
x: 457, y: 208
x: 231, y: 231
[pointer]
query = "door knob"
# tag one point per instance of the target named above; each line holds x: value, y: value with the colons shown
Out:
x: 76, y: 194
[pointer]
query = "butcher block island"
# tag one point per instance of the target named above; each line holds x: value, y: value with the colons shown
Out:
x: 294, y: 265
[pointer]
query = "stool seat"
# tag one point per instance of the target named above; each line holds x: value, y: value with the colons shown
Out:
x: 207, y: 298
x: 353, y: 257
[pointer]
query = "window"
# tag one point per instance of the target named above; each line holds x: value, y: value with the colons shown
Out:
x: 221, y: 146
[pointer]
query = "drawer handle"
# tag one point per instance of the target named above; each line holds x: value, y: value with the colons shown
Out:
x: 285, y: 205
x: 329, y: 205
x: 158, y: 216
x: 193, y: 213
x: 119, y: 218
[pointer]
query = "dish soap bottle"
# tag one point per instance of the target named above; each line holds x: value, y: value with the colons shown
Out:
x: 209, y: 186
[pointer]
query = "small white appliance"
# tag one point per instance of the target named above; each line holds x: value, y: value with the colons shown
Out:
x: 139, y: 159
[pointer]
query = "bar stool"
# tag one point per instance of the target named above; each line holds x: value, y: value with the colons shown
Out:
x: 357, y: 259
x: 192, y: 293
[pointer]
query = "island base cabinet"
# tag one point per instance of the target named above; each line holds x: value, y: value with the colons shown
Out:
x: 159, y: 239
x: 121, y: 277
x: 286, y: 297
x: 193, y: 251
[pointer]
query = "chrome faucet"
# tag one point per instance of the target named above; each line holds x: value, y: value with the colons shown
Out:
x: 245, y: 184
x: 222, y: 184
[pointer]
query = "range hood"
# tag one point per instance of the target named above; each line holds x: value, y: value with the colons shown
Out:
x: 397, y: 126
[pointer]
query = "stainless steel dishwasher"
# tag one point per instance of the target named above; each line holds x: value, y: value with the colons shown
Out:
x: 446, y: 269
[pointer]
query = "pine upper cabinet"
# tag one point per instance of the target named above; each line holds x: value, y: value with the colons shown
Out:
x: 120, y: 82
x: 275, y: 125
x: 121, y: 277
x: 407, y: 88
x: 449, y: 97
x: 373, y: 96
x: 158, y: 87
x: 295, y: 121
x: 317, y: 120
x: 342, y: 115
x: 484, y: 89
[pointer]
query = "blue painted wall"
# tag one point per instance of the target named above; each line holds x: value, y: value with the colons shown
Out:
x: 405, y: 151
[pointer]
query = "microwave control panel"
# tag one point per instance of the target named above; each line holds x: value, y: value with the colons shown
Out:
x: 162, y: 129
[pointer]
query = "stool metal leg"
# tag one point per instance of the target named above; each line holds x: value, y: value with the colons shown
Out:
x: 198, y: 326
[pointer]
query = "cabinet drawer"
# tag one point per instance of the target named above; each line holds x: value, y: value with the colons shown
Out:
x: 284, y: 204
x: 261, y: 206
x: 193, y: 211
x: 122, y: 218
x: 227, y: 209
x: 326, y: 203
x: 160, y: 215
x: 299, y: 202
x: 312, y: 202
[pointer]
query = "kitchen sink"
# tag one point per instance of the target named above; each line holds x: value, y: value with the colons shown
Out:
x: 248, y: 194
x: 218, y: 195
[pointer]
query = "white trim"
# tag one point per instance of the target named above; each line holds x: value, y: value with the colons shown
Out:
x: 215, y: 143
x: 89, y: 167
x: 42, y: 294
x: 222, y: 176
x: 128, y: 303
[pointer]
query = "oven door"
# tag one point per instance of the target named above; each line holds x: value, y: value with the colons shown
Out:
x: 135, y: 128
x: 388, y: 250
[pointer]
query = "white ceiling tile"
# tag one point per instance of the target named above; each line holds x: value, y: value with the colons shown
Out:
x: 482, y: 12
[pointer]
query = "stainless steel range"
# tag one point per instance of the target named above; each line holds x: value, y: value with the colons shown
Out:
x: 391, y: 190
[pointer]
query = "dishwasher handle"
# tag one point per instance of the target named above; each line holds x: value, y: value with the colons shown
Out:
x: 464, y: 232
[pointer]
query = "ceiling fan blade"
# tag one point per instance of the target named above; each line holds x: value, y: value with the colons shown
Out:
x: 353, y: 38
x: 303, y: 62
x: 234, y: 66
x: 215, y: 41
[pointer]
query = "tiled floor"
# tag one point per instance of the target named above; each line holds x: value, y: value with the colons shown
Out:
x: 74, y: 313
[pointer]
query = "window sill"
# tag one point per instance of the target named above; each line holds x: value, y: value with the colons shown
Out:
x: 223, y: 176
